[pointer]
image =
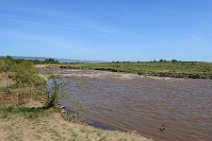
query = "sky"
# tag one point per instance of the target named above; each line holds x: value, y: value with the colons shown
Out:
x: 107, y: 30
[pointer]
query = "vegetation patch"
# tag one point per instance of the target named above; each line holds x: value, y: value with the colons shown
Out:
x: 8, y: 111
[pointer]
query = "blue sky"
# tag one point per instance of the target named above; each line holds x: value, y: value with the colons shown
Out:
x: 107, y: 29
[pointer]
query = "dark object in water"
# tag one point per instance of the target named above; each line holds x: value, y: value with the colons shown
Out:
x: 162, y: 128
x: 100, y: 125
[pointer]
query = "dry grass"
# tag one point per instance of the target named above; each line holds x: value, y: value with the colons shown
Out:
x: 49, y: 125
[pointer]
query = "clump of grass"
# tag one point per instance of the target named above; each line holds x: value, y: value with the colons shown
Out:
x: 4, y: 89
x: 99, y: 134
x: 75, y: 136
x: 84, y: 130
x: 103, y: 139
x: 55, y: 133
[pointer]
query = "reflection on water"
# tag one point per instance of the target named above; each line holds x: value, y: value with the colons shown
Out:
x: 143, y: 104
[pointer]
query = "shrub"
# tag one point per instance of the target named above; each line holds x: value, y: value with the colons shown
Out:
x: 5, y: 64
x: 55, y: 87
x: 52, y: 94
x: 26, y: 74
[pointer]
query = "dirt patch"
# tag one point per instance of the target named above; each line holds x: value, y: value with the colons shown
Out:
x: 33, y: 103
x: 6, y: 79
x: 16, y: 96
x: 47, y: 66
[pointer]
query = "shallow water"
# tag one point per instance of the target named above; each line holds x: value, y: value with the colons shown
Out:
x: 143, y: 104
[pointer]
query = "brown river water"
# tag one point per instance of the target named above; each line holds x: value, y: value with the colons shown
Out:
x: 131, y: 102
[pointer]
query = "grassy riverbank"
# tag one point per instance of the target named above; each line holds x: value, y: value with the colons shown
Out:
x: 25, y: 113
x: 29, y: 122
x: 195, y: 70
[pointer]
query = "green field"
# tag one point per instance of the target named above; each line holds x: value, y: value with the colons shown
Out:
x: 162, y: 69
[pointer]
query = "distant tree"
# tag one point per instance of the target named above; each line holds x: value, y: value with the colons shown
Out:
x: 174, y: 60
x: 161, y: 60
x: 51, y: 61
x: 9, y: 57
x: 36, y: 61
x: 18, y: 61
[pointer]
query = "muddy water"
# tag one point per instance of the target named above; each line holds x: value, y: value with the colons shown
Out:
x: 132, y: 102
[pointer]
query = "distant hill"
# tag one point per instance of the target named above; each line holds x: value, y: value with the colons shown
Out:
x: 60, y: 60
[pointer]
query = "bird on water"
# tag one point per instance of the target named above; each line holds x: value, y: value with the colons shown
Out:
x: 162, y: 128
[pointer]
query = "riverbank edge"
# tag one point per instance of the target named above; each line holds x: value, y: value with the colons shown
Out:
x: 146, y: 74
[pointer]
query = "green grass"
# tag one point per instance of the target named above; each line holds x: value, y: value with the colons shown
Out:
x: 6, y: 111
x: 162, y: 69
x: 4, y: 89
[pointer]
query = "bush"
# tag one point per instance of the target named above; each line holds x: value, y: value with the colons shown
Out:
x: 26, y: 74
x: 54, y: 88
x: 6, y: 64
x: 46, y: 61
x: 52, y: 94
